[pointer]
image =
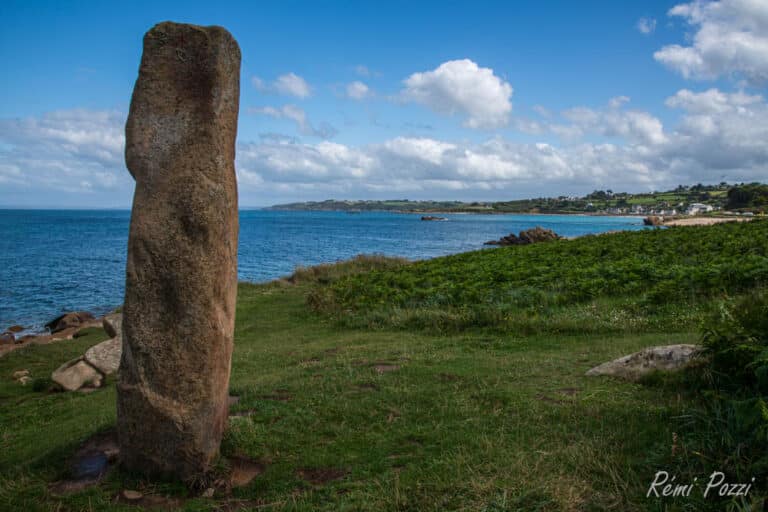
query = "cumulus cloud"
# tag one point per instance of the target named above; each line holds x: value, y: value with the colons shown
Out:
x: 730, y: 39
x: 357, y: 90
x: 289, y: 84
x: 614, y: 121
x: 646, y: 25
x: 298, y: 116
x: 720, y: 136
x: 722, y: 131
x: 281, y: 162
x: 69, y: 151
x: 462, y: 87
x: 712, y: 101
x: 432, y: 166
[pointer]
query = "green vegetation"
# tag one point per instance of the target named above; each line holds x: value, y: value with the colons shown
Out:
x: 603, y: 283
x: 490, y: 412
x: 752, y: 197
x: 600, y: 201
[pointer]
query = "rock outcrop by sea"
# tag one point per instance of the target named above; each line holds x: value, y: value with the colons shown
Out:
x: 99, y: 361
x: 527, y: 236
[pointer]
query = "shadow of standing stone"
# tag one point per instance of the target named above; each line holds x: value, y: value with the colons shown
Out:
x: 181, y: 275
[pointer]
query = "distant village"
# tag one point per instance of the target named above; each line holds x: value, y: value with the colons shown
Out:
x: 681, y: 209
x: 721, y: 199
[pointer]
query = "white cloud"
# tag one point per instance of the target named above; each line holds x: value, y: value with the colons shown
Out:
x: 288, y: 163
x: 462, y: 87
x: 68, y: 151
x: 720, y: 136
x: 362, y: 70
x: 289, y: 84
x: 420, y: 149
x: 618, y: 101
x: 731, y: 39
x: 722, y: 131
x: 646, y: 25
x: 357, y: 90
x: 635, y: 126
x: 712, y: 101
x: 298, y: 116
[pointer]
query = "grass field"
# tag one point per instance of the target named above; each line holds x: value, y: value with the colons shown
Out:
x: 393, y: 418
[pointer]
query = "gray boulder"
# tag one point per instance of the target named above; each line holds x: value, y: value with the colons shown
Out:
x: 634, y: 366
x: 105, y: 356
x: 113, y: 324
x: 75, y: 374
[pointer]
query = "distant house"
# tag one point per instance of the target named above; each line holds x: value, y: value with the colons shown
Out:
x: 697, y: 208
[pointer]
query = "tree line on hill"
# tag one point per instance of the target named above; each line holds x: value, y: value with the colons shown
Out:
x: 736, y: 197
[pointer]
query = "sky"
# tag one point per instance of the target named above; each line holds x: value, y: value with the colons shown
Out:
x: 475, y: 100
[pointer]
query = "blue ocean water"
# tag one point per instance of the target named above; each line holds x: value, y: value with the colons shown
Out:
x: 53, y: 261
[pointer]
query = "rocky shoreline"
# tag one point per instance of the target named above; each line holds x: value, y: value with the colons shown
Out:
x: 64, y: 327
x: 84, y: 373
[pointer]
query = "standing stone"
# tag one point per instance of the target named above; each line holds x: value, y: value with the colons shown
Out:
x: 181, y: 275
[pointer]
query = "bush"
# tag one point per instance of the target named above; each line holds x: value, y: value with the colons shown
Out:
x: 736, y: 341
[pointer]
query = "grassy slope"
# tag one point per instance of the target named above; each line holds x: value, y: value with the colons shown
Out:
x: 617, y: 282
x: 468, y: 421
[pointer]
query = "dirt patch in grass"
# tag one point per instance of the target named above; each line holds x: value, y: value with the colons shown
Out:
x: 569, y: 391
x: 243, y: 470
x: 234, y: 505
x: 548, y: 399
x: 385, y: 367
x: 279, y: 395
x: 321, y: 476
x: 90, y: 463
x: 150, y: 501
x: 369, y: 386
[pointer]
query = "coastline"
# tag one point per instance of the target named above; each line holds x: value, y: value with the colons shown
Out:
x: 703, y: 221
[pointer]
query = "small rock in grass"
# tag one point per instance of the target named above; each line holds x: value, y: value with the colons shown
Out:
x: 18, y: 374
x: 132, y: 495
x: 634, y: 366
x: 75, y: 374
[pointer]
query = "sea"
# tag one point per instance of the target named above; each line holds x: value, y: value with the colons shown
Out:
x: 54, y: 261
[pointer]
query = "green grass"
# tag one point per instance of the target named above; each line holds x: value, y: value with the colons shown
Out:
x: 468, y: 421
x: 476, y: 419
x: 656, y: 277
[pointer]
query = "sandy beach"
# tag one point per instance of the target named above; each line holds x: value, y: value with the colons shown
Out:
x: 704, y: 221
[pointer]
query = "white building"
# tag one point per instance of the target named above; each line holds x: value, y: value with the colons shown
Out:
x: 697, y: 208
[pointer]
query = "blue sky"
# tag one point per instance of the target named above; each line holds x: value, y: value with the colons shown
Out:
x: 430, y: 100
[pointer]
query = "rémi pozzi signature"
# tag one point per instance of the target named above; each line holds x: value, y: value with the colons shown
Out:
x: 664, y: 485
